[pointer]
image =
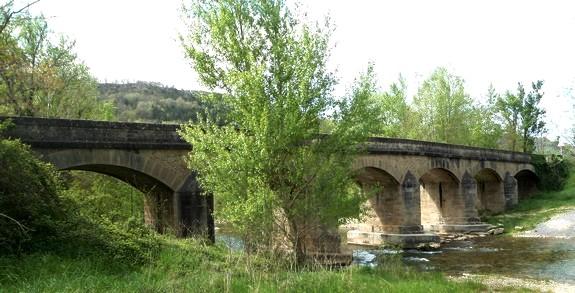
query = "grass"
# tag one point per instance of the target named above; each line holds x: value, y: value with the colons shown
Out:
x: 536, y: 209
x: 188, y: 266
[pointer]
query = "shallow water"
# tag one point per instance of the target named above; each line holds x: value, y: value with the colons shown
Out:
x: 535, y: 258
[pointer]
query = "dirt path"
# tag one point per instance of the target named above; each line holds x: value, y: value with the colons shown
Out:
x: 561, y: 226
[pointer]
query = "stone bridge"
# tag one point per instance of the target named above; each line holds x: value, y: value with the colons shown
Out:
x: 418, y: 186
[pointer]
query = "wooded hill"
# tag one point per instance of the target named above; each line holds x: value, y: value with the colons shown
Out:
x: 152, y: 102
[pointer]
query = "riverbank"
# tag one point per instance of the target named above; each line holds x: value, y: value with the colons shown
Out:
x: 537, y: 209
x: 559, y: 226
x: 189, y: 266
x: 501, y: 283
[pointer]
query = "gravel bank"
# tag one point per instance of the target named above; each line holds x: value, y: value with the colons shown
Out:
x: 500, y: 282
x: 560, y: 226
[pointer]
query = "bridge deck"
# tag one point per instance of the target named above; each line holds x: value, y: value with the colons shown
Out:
x: 58, y: 133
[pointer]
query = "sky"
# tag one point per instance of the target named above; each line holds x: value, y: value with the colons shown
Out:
x: 484, y: 42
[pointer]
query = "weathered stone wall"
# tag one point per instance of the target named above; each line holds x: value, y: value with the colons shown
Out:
x: 455, y: 183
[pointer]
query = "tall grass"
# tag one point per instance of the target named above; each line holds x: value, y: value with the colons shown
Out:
x: 189, y: 266
x: 538, y: 208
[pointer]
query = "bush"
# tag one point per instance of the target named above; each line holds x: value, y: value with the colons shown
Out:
x: 129, y: 243
x: 34, y: 216
x: 552, y: 171
x: 30, y: 208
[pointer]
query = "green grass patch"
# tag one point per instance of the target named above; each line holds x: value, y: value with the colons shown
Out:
x: 536, y: 209
x: 189, y: 266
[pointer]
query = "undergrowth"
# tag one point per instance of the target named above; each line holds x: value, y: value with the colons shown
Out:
x: 190, y: 266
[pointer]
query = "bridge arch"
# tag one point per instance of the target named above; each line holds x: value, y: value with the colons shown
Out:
x: 490, y: 196
x: 166, y: 190
x: 393, y: 206
x: 526, y: 183
x: 383, y: 213
x: 115, y: 162
x: 441, y: 202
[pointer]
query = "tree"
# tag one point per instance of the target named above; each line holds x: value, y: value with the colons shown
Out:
x: 40, y: 78
x: 393, y: 110
x: 532, y: 123
x: 8, y: 13
x: 521, y: 116
x: 484, y: 130
x: 443, y: 108
x: 509, y: 110
x: 271, y: 174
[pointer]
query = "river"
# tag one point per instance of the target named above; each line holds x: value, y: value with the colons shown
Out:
x: 516, y: 257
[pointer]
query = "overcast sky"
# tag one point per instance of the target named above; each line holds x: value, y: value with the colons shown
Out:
x: 483, y: 41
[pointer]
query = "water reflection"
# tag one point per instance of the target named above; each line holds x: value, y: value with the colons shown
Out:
x: 552, y: 259
x: 539, y: 258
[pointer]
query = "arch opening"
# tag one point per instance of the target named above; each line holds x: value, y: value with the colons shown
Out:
x: 384, y: 208
x: 526, y: 184
x: 440, y: 203
x: 158, y: 197
x: 490, y: 196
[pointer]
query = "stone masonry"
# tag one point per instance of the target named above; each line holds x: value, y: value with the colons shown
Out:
x: 418, y: 186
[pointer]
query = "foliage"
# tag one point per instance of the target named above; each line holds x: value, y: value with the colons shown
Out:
x: 35, y: 216
x: 521, y: 117
x: 187, y: 266
x: 484, y: 131
x: 101, y: 197
x: 29, y: 203
x: 267, y: 168
x: 553, y: 171
x: 153, y: 102
x: 39, y: 77
x: 509, y: 109
x: 393, y: 111
x: 443, y: 108
x: 531, y: 117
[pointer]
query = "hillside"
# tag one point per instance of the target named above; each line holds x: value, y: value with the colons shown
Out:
x: 152, y: 102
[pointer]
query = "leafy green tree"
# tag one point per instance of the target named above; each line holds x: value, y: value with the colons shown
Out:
x: 532, y: 123
x: 443, y: 108
x: 393, y: 110
x: 42, y: 78
x: 522, y: 117
x: 484, y: 129
x: 274, y: 178
x: 509, y: 109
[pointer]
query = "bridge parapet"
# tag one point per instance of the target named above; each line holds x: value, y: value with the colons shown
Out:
x: 381, y: 145
x: 68, y: 133
x: 48, y: 133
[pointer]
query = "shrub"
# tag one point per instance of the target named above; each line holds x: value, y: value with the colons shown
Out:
x: 129, y: 243
x: 30, y: 208
x: 35, y: 216
x: 552, y: 171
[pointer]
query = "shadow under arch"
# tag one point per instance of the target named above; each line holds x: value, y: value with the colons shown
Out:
x: 490, y: 195
x: 384, y: 212
x: 156, y: 181
x: 118, y: 163
x: 440, y: 200
x: 526, y: 183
